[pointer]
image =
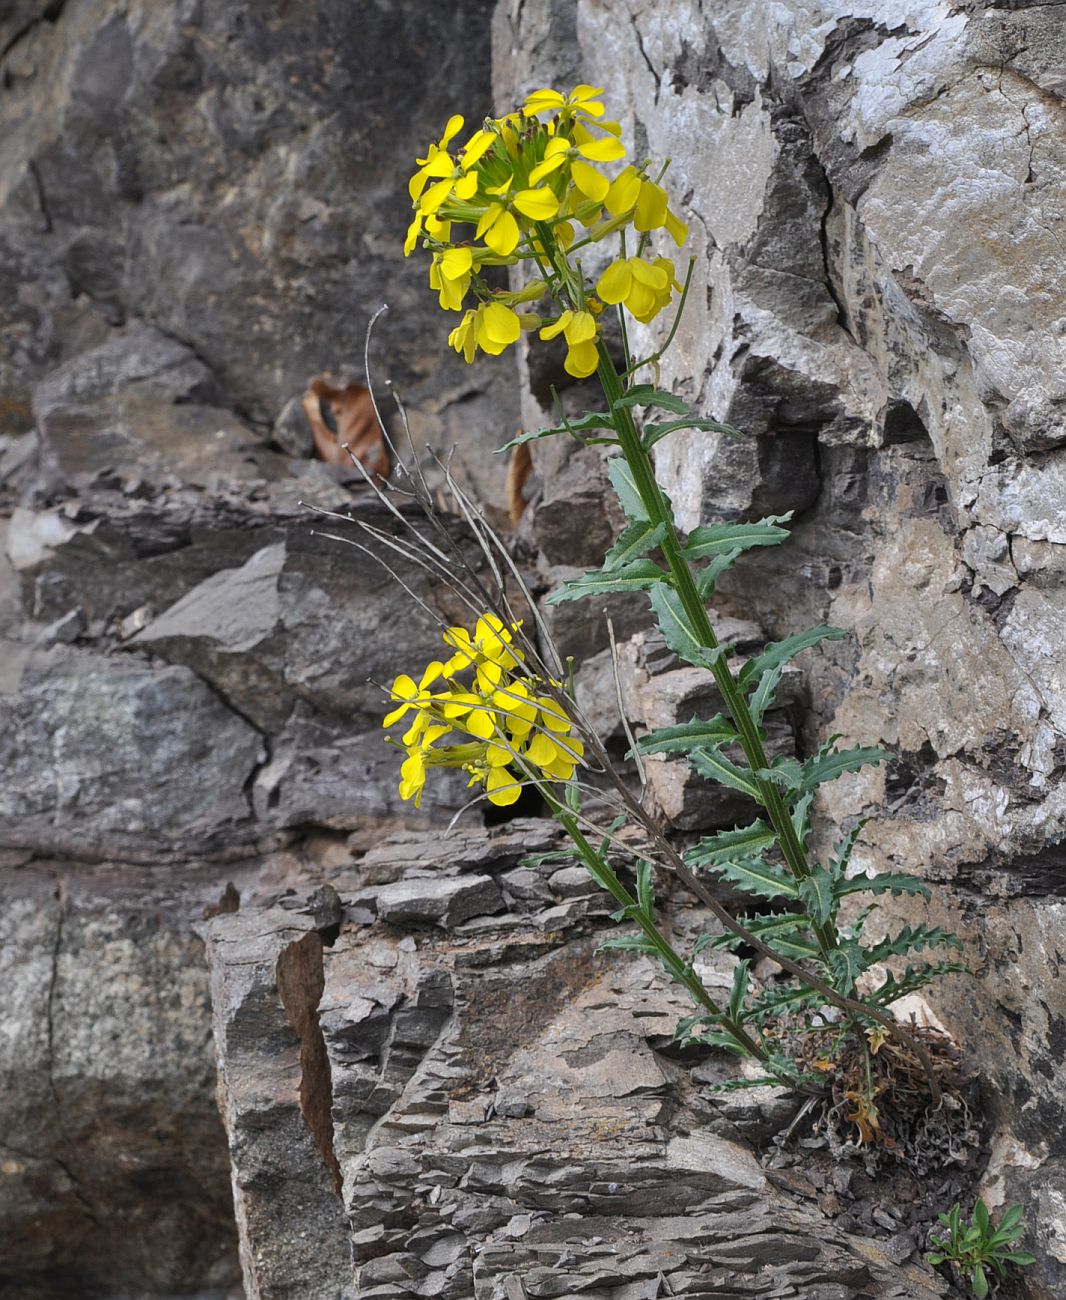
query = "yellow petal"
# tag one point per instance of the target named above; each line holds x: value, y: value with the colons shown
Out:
x: 607, y: 149
x: 538, y: 205
x: 541, y: 750
x: 550, y: 331
x: 478, y: 144
x: 541, y: 100
x: 653, y: 276
x: 651, y: 207
x: 480, y: 724
x: 614, y: 283
x: 502, y: 787
x: 593, y: 184
x: 466, y: 186
x: 547, y: 167
x: 412, y: 234
x: 488, y: 219
x: 435, y: 196
x: 624, y: 192
x: 500, y: 324
x: 581, y: 327
x: 553, y: 716
x: 456, y: 262
x: 676, y: 228
x: 502, y: 236
x: 455, y: 125
x: 582, y: 360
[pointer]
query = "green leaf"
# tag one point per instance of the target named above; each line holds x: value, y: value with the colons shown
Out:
x: 771, y: 1004
x: 757, y: 877
x: 719, y: 539
x: 910, y: 940
x: 633, y: 542
x: 817, y: 896
x: 622, y: 481
x: 688, y: 736
x: 766, y: 668
x: 678, y: 631
x: 913, y: 979
x: 888, y: 882
x: 979, y: 1281
x: 714, y: 765
x: 801, y: 817
x: 785, y: 772
x: 838, y: 866
x: 828, y: 766
x: 628, y: 943
x: 846, y: 963
x: 742, y: 842
x: 980, y: 1217
x: 739, y: 1085
x: 645, y: 898
x: 654, y: 432
x: 638, y: 576
x: 767, y: 926
x: 592, y: 420
x: 739, y: 992
x: 1020, y: 1257
x: 1011, y: 1219
x: 649, y: 395
x: 708, y: 576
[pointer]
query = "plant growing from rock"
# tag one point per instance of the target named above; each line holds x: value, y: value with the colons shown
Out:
x: 535, y: 189
x: 975, y: 1248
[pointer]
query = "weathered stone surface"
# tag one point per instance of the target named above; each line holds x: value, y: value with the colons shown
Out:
x: 504, y: 1120
x: 113, y: 1172
x: 102, y: 756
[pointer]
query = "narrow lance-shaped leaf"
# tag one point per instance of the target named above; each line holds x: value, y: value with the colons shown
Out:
x: 910, y: 940
x: 633, y: 543
x: 654, y: 433
x: 628, y: 943
x: 739, y: 992
x: 888, y: 882
x: 757, y: 877
x: 838, y: 865
x: 645, y: 898
x: 681, y: 637
x: 714, y: 765
x: 741, y: 842
x: 638, y: 576
x: 764, y: 671
x: 707, y: 577
x: 621, y: 476
x: 584, y: 424
x: 649, y: 395
x: 828, y: 766
x: 687, y: 736
x: 719, y: 539
x: 817, y: 896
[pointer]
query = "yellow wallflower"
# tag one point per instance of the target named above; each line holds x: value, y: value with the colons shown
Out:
x: 580, y: 329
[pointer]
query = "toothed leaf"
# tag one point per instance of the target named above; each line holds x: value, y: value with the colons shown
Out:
x: 621, y: 477
x: 633, y: 543
x: 714, y: 765
x: 681, y: 637
x: 828, y: 766
x: 762, y: 674
x: 742, y: 842
x: 720, y: 539
x: 638, y: 576
x: 688, y: 736
x: 757, y: 877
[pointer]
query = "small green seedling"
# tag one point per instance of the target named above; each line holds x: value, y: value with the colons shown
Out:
x: 972, y: 1247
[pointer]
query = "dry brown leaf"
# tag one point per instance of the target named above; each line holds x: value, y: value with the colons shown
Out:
x: 350, y: 412
x: 519, y: 468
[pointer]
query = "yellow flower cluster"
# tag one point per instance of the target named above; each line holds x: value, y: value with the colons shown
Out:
x: 525, y: 182
x: 506, y: 732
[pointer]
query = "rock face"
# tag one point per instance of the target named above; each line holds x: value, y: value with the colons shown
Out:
x: 430, y: 1083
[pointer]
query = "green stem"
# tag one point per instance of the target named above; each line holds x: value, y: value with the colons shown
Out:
x: 685, y: 585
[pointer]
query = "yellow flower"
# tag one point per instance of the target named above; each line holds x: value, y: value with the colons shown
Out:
x: 437, y: 161
x: 411, y: 696
x: 450, y: 274
x: 580, y: 329
x: 581, y: 101
x: 644, y: 288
